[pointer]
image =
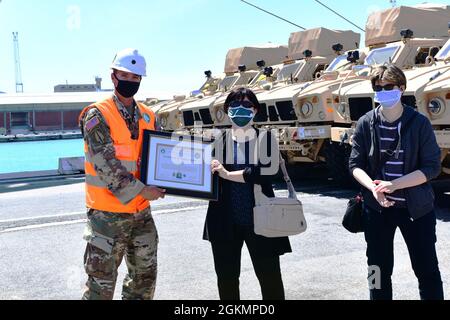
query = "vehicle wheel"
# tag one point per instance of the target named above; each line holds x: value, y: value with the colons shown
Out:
x: 446, y: 166
x: 337, y: 158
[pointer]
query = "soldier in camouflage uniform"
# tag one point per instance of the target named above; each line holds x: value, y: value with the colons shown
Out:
x: 111, y: 236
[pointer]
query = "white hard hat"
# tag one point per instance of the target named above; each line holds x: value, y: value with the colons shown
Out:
x: 129, y: 60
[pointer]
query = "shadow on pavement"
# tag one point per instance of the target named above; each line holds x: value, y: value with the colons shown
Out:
x: 312, y: 179
x: 315, y: 179
x: 442, y: 190
x: 32, y: 184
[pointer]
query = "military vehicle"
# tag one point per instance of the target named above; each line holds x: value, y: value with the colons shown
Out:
x: 282, y: 108
x: 201, y: 114
x: 415, y: 55
x: 302, y: 65
x: 437, y: 102
x: 236, y: 74
x: 156, y: 105
x: 195, y: 112
x: 431, y: 88
x: 167, y: 111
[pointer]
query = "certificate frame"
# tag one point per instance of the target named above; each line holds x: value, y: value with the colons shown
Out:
x: 154, y: 171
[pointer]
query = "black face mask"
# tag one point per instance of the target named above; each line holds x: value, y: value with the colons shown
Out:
x: 127, y: 89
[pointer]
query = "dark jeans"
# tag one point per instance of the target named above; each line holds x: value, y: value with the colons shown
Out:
x: 227, y: 261
x: 420, y: 238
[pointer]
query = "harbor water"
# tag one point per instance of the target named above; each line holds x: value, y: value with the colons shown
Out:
x: 37, y: 155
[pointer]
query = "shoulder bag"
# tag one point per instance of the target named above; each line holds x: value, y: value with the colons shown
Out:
x: 278, y: 217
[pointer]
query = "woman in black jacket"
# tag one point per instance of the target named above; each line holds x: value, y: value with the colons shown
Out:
x: 229, y: 221
x: 394, y: 156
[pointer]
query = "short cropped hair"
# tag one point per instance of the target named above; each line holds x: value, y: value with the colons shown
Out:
x: 389, y: 73
x: 240, y: 94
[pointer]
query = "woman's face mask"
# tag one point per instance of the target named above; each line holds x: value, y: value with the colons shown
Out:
x: 388, y: 97
x: 241, y: 113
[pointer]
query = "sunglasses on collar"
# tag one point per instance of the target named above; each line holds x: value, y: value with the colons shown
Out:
x: 245, y: 104
x: 388, y: 87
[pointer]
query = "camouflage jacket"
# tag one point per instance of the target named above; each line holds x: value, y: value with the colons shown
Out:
x: 96, y: 132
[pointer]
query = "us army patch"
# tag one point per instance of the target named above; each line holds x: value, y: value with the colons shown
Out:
x: 92, y: 123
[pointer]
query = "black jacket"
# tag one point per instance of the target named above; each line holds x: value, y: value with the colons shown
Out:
x: 421, y: 153
x: 219, y: 220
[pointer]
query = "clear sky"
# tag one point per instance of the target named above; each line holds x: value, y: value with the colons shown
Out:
x: 75, y: 40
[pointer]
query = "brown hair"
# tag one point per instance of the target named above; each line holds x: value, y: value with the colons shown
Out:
x: 389, y: 73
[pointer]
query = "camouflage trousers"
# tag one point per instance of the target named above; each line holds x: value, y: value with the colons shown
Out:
x: 111, y: 237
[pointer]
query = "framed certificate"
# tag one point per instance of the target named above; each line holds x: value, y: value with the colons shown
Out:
x: 180, y: 164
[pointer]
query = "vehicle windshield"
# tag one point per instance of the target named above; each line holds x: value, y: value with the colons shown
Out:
x: 227, y: 82
x: 245, y: 78
x: 288, y: 70
x: 444, y: 53
x: 381, y: 56
x: 208, y: 83
x: 337, y: 63
x: 257, y: 79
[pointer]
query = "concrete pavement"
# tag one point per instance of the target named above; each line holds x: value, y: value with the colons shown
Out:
x: 41, y: 256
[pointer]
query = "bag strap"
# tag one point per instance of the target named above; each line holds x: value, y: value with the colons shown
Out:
x: 290, y: 186
x: 260, y: 198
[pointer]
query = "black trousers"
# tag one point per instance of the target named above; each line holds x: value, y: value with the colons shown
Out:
x: 266, y: 262
x: 420, y: 238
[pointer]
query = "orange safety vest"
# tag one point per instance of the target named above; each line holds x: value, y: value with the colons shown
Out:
x: 128, y: 151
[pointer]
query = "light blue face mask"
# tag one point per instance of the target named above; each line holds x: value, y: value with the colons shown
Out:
x: 241, y: 116
x: 388, y: 99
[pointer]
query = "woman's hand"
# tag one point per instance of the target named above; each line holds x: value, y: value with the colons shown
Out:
x: 381, y: 199
x: 388, y: 187
x: 216, y: 166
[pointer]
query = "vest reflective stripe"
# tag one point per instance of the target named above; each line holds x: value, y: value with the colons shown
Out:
x: 131, y: 166
x: 95, y: 181
x: 128, y: 152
